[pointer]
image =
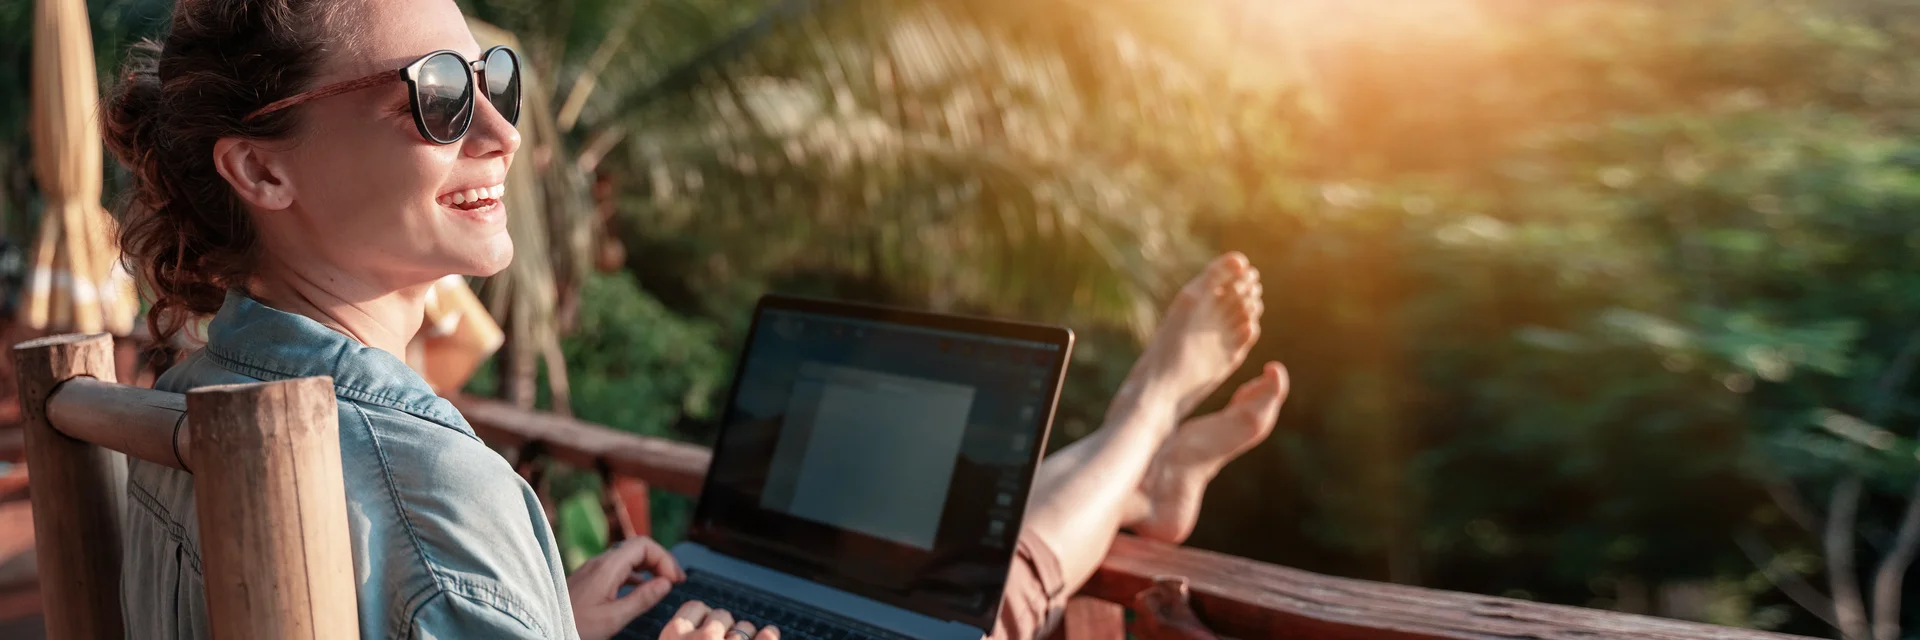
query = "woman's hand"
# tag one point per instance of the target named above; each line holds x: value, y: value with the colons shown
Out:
x: 694, y: 621
x: 598, y: 610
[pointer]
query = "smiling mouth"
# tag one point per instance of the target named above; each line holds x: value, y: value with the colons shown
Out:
x: 473, y: 199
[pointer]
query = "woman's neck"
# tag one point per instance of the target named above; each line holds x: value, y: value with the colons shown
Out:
x: 378, y: 316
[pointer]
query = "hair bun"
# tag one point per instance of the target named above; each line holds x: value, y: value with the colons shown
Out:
x: 130, y: 119
x: 183, y: 231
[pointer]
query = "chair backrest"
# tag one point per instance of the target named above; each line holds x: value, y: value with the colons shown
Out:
x: 275, y: 551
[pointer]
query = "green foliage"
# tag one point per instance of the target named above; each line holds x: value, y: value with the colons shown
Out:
x: 581, y: 528
x: 638, y: 366
x: 1605, y: 298
x: 635, y: 366
x: 1563, y: 287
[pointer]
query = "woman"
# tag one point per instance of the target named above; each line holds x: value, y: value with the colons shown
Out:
x: 305, y: 171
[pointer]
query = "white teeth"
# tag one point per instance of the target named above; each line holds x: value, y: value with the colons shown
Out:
x: 473, y: 195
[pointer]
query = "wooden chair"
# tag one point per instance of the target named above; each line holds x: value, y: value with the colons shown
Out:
x: 265, y: 460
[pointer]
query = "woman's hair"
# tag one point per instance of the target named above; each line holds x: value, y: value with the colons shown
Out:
x: 185, y: 233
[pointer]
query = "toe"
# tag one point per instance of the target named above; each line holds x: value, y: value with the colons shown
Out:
x: 1272, y: 382
x: 1235, y: 262
x: 1246, y: 332
x: 1227, y: 268
x: 1282, y: 379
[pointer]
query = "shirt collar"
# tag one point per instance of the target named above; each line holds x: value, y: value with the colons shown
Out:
x: 271, y: 344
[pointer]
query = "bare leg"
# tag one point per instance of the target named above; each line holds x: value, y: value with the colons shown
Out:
x: 1080, y: 480
x: 1083, y: 494
x: 1168, y: 503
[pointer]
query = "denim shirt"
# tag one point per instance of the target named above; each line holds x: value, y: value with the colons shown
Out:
x: 448, y: 542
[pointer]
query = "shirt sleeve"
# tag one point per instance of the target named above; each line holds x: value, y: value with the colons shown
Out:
x: 468, y: 552
x: 451, y: 615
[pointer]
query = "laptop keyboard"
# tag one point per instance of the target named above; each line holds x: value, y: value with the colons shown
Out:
x: 795, y: 621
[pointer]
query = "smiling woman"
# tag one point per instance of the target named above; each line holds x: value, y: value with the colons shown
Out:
x: 304, y: 173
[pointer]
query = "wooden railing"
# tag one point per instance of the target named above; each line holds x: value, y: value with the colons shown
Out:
x: 276, y: 559
x: 1233, y: 596
x: 267, y: 434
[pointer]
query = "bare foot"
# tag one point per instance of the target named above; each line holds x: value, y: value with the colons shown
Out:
x: 1168, y: 504
x: 1206, y: 333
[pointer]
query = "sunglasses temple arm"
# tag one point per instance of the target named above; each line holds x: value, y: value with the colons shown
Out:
x: 397, y: 75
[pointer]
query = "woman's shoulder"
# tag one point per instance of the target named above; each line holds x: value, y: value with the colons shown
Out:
x: 422, y: 448
x: 196, y: 370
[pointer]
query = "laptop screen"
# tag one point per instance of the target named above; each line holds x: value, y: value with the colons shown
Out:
x: 885, y: 457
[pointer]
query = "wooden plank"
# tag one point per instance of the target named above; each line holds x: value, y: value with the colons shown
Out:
x: 13, y: 442
x: 273, y: 512
x: 14, y: 485
x: 1235, y: 596
x: 1239, y: 597
x: 78, y: 540
x: 18, y: 569
x: 672, y: 466
x: 1091, y: 619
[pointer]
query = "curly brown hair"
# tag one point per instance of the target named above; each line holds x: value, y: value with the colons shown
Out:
x: 185, y: 233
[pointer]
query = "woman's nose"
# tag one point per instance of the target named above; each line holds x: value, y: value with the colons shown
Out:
x: 491, y: 135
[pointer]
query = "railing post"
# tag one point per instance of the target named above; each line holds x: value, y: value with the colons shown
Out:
x: 625, y: 501
x: 1088, y: 618
x: 273, y: 516
x: 77, y: 489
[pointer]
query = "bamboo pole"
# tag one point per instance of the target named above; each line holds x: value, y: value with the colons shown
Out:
x: 273, y: 515
x: 77, y: 488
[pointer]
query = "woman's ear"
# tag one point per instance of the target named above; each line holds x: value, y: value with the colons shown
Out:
x: 257, y: 175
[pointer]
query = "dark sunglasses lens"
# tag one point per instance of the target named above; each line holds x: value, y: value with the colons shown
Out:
x: 445, y: 97
x: 502, y: 76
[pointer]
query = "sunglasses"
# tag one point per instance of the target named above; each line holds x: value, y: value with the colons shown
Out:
x: 440, y: 86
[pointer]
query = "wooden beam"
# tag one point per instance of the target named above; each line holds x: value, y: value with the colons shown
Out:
x: 13, y: 443
x: 131, y: 420
x: 79, y: 488
x: 1235, y: 596
x: 273, y: 513
x: 1243, y: 598
x: 672, y: 466
x: 1091, y: 619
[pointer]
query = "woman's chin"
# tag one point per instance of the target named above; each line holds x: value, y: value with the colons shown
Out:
x: 488, y: 258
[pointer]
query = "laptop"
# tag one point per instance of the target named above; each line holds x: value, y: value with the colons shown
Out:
x: 871, y: 473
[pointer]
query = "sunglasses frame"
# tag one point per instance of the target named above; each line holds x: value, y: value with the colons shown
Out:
x: 411, y: 74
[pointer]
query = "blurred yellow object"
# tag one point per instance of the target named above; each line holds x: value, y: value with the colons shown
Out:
x: 456, y: 338
x: 76, y: 283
